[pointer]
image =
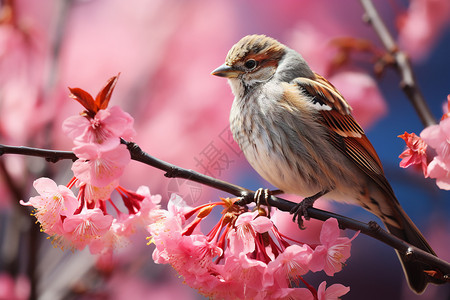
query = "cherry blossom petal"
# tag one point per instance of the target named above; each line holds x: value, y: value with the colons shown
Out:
x: 333, y: 292
x: 99, y: 168
x: 432, y: 136
x: 262, y: 224
x: 90, y: 224
x: 439, y: 170
x: 52, y: 203
x: 330, y: 231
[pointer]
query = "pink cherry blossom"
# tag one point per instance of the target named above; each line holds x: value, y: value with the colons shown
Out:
x: 90, y: 224
x: 143, y: 210
x: 244, y: 276
x: 107, y: 126
x: 242, y: 239
x: 220, y: 265
x: 333, y: 251
x: 142, y: 207
x: 153, y: 200
x: 415, y: 154
x: 118, y: 236
x: 77, y: 222
x: 333, y: 292
x: 52, y: 203
x: 191, y: 256
x: 99, y: 166
x: 166, y: 231
x: 150, y: 204
x: 95, y: 194
x: 177, y: 206
x: 439, y: 170
x: 196, y: 254
x: 287, y: 268
x: 438, y: 138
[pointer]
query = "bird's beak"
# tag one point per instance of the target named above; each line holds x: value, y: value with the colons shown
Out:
x: 225, y: 71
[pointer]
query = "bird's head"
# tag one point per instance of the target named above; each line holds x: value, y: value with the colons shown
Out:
x: 256, y: 59
x: 253, y: 60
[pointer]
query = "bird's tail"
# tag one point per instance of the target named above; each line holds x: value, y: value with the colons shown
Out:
x: 414, y: 270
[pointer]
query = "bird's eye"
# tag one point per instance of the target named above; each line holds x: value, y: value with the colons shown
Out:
x: 250, y: 64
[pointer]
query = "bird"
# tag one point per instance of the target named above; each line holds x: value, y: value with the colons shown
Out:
x: 297, y: 131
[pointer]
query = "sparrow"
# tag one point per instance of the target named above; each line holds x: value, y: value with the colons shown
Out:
x: 297, y: 131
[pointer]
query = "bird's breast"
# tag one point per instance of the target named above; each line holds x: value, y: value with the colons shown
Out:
x: 288, y: 148
x: 271, y: 146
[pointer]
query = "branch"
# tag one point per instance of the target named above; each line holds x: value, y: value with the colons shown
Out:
x: 371, y: 229
x: 402, y: 63
x: 49, y: 155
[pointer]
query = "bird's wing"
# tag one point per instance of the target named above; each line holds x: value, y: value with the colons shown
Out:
x: 345, y: 133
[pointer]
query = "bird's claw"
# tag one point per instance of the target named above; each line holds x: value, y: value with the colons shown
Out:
x: 260, y: 197
x: 300, y: 210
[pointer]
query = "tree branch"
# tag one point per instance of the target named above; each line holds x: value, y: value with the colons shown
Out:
x: 402, y: 63
x: 49, y: 155
x: 371, y: 229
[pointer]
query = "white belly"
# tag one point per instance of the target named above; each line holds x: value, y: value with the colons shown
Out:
x: 291, y: 158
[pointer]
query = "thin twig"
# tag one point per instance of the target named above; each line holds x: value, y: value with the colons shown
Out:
x: 408, y: 82
x: 372, y: 229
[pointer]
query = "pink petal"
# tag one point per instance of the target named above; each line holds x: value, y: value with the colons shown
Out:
x: 330, y: 231
x: 432, y: 136
x: 244, y: 218
x: 290, y: 293
x: 102, y: 221
x: 95, y: 193
x: 76, y: 127
x: 45, y: 186
x: 118, y: 122
x: 100, y: 168
x: 445, y: 128
x: 336, y: 290
x: 262, y: 224
x: 318, y: 258
x: 70, y: 203
x: 86, y: 151
x: 241, y: 241
x: 437, y: 169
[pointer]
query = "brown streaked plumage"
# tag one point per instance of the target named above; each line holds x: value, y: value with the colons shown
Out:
x: 298, y: 133
x: 256, y: 47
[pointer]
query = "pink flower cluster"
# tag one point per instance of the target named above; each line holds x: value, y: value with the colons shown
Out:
x: 77, y: 221
x: 436, y: 137
x: 244, y: 256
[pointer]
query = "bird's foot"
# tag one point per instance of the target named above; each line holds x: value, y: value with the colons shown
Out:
x: 300, y: 211
x: 260, y: 197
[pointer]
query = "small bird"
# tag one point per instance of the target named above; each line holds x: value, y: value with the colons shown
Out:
x: 297, y: 132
